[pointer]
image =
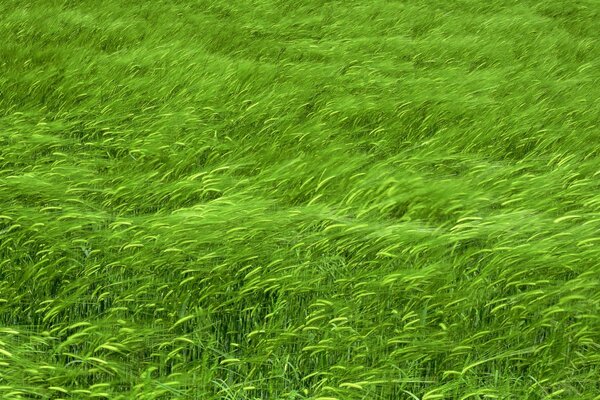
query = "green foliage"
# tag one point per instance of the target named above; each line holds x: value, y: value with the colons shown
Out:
x: 299, y: 200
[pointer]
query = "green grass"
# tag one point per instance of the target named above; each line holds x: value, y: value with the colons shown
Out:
x: 300, y: 200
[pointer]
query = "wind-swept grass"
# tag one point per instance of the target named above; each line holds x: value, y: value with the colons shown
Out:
x: 299, y: 200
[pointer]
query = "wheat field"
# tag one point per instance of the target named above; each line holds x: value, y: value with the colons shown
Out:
x: 267, y: 199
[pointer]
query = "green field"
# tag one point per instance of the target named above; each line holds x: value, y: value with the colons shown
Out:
x: 288, y: 200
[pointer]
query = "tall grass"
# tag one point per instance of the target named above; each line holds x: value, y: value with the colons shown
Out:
x: 299, y: 200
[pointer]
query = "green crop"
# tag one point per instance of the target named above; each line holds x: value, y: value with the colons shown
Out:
x: 300, y: 200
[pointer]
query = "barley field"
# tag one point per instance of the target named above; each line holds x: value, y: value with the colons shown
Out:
x: 268, y: 199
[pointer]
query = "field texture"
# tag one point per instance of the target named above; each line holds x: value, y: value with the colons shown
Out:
x: 288, y: 200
